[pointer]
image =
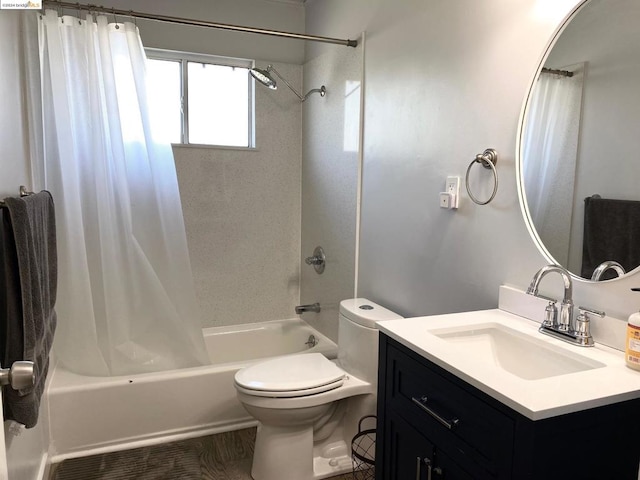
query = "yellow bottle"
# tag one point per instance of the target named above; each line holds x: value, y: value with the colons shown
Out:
x: 632, y: 349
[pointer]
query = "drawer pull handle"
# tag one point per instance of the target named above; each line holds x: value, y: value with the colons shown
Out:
x: 431, y: 470
x: 418, y: 462
x: 427, y: 462
x: 422, y: 403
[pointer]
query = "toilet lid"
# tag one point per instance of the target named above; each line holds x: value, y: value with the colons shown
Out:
x: 291, y: 393
x: 290, y: 373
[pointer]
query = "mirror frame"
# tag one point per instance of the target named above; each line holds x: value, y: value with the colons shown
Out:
x: 519, y: 143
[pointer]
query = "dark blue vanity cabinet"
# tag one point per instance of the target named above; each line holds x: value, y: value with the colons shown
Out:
x: 432, y: 425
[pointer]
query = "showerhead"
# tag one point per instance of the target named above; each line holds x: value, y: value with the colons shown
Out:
x: 264, y: 77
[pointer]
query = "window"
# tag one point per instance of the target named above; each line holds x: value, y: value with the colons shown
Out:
x: 201, y: 99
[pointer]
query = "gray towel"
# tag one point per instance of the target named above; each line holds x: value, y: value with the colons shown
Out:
x: 29, y: 237
x: 611, y: 232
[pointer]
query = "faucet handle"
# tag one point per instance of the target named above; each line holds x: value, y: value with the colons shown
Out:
x: 586, y: 311
x: 582, y: 329
x: 550, y: 314
x: 317, y: 260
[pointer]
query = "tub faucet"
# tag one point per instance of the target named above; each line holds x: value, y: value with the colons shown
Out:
x: 314, y: 307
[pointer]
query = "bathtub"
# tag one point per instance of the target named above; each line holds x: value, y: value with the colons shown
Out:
x: 91, y: 415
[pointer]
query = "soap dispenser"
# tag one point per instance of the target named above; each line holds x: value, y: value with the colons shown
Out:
x: 632, y: 348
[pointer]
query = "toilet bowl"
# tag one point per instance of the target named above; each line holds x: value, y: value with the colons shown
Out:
x: 308, y: 406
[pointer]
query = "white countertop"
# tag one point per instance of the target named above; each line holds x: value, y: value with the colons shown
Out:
x: 535, y: 399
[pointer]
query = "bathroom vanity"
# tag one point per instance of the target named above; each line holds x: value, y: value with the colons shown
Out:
x: 448, y: 406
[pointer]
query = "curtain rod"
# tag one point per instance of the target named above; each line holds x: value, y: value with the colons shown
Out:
x: 197, y: 23
x: 564, y: 73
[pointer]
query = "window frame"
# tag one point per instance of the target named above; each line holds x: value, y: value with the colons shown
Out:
x: 184, y: 58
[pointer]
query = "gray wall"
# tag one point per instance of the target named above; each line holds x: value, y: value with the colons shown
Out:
x: 285, y: 15
x: 14, y: 145
x: 444, y: 81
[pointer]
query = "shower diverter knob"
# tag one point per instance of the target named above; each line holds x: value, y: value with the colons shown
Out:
x: 19, y: 376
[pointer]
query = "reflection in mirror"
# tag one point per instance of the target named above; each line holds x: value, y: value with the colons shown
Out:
x: 580, y: 143
x: 605, y: 266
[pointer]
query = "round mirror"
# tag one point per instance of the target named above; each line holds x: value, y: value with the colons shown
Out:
x: 579, y: 146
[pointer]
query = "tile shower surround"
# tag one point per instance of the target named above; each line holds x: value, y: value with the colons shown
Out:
x: 242, y: 214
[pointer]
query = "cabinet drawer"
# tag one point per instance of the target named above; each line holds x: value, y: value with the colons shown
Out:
x: 467, y: 428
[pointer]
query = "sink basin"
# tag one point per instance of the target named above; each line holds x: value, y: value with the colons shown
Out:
x: 518, y: 353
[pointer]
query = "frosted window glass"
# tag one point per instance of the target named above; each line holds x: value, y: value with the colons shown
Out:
x: 218, y: 104
x: 163, y: 78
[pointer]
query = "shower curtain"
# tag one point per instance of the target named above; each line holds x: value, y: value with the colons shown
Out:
x: 126, y: 299
x: 549, y: 157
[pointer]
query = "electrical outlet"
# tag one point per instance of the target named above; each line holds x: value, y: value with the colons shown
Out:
x: 453, y: 189
x: 445, y: 200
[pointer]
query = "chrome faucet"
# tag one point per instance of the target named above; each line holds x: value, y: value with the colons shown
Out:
x: 604, y: 266
x: 566, y: 307
x: 566, y: 329
x: 314, y: 307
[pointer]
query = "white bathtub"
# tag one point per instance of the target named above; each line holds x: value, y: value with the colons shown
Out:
x: 90, y: 415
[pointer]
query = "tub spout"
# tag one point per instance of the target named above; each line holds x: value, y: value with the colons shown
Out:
x: 314, y: 307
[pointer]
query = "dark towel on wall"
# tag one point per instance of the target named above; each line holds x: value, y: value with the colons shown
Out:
x: 611, y: 232
x: 30, y: 277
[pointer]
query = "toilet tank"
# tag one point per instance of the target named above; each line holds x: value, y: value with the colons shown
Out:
x: 358, y: 337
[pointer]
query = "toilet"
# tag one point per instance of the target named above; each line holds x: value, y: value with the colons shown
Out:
x: 307, y: 406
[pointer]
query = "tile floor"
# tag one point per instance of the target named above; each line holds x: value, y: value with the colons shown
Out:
x: 225, y: 456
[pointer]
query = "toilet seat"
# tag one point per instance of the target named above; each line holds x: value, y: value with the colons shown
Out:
x: 290, y: 376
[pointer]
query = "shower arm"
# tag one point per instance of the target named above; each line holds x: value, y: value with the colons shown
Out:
x: 322, y: 91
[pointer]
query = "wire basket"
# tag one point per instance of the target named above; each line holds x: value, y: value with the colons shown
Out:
x: 363, y: 451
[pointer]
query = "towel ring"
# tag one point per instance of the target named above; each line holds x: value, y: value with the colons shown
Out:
x: 487, y: 159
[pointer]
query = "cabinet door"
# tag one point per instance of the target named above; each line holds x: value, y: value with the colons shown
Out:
x: 410, y: 455
x: 407, y: 454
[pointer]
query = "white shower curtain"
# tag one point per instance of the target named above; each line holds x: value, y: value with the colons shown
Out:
x: 549, y: 158
x: 126, y: 301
